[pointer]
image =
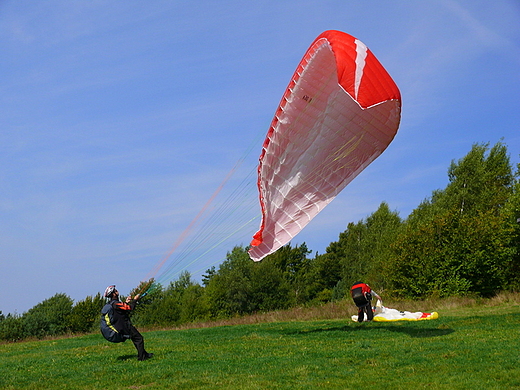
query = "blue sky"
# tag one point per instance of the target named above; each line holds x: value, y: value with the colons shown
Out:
x: 120, y: 119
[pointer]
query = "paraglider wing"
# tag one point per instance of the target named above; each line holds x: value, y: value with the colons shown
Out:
x: 340, y: 112
x: 384, y: 314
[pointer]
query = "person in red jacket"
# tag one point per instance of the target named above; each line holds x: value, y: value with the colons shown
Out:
x: 122, y: 323
x: 362, y: 296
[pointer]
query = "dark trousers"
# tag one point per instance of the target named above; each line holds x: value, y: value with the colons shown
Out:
x: 138, y: 341
x: 365, y: 309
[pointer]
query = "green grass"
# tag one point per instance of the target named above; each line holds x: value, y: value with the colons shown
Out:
x: 463, y: 349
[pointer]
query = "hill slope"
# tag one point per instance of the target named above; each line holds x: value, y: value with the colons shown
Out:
x: 463, y: 349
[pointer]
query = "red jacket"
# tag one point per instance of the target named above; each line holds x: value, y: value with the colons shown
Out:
x: 361, y: 294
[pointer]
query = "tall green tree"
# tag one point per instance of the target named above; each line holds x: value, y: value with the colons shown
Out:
x: 459, y: 241
x: 193, y: 305
x: 481, y: 180
x: 511, y: 214
x: 452, y: 255
x: 229, y: 290
x: 270, y: 290
x: 381, y: 231
x: 296, y: 270
x: 363, y: 248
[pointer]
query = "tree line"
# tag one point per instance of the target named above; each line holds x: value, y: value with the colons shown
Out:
x: 462, y: 240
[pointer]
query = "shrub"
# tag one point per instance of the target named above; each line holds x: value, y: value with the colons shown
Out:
x: 50, y: 317
x: 11, y: 328
x: 84, y: 316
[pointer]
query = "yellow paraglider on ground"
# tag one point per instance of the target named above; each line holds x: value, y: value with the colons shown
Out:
x: 385, y: 314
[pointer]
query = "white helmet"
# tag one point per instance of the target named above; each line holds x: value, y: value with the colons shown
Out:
x: 109, y: 291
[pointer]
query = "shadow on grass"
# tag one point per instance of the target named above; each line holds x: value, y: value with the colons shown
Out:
x: 127, y: 357
x: 409, y: 330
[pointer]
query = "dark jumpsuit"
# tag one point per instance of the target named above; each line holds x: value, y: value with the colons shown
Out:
x: 122, y: 323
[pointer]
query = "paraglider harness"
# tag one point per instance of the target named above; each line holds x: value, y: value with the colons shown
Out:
x: 361, y: 294
x: 108, y: 330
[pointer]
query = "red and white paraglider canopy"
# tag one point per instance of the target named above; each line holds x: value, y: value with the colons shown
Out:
x: 339, y: 113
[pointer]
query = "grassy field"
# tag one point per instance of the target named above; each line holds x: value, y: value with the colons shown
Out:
x: 466, y: 348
